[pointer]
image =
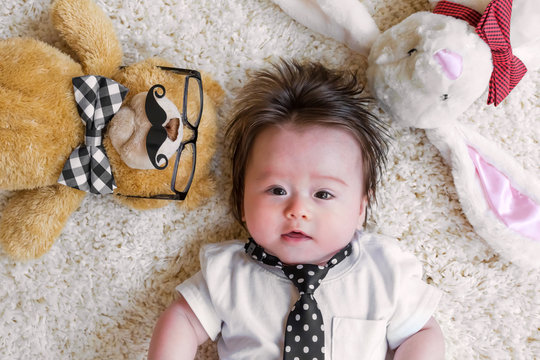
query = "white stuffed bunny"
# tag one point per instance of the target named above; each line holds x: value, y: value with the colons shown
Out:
x: 426, y: 71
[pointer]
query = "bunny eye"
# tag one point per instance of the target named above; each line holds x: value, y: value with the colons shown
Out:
x: 444, y: 97
x: 412, y: 51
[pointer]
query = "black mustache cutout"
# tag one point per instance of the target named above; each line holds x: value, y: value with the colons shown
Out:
x: 157, y: 133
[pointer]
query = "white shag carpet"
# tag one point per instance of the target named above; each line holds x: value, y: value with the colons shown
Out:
x: 99, y: 291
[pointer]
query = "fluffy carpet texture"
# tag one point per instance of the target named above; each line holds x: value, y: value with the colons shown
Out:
x: 99, y: 291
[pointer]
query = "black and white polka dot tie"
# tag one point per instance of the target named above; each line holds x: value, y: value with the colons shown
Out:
x: 304, y: 331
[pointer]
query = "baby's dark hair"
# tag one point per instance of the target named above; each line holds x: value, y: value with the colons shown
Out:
x: 304, y: 95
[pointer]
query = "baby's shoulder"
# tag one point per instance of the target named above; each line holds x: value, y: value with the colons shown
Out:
x: 222, y: 252
x: 226, y: 266
x: 383, y: 249
x: 376, y: 242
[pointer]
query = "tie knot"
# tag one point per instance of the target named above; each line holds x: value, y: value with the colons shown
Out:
x: 502, y: 55
x: 93, y: 137
x: 306, y: 278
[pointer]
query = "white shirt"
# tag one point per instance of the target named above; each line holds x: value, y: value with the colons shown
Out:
x: 373, y: 298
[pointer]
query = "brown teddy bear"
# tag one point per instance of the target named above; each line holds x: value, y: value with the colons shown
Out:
x: 45, y: 118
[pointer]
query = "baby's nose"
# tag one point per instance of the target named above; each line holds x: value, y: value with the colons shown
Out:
x: 451, y: 63
x: 297, y: 209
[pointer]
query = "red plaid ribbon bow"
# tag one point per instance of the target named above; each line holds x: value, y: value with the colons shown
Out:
x: 494, y: 28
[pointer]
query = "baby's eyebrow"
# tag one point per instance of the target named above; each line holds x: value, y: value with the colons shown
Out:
x: 264, y: 175
x: 271, y: 174
x: 333, y: 178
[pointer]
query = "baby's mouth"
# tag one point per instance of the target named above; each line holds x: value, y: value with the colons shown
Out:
x: 295, y: 236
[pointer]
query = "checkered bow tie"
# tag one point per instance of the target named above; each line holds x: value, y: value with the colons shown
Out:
x: 304, y: 332
x: 98, y: 99
x: 494, y: 28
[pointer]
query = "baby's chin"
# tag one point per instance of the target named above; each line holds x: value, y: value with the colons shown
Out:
x: 291, y: 259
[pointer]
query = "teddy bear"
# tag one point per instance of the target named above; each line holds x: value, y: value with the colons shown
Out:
x: 427, y: 70
x: 83, y: 123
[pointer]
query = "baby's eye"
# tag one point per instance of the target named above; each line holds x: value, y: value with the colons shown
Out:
x: 412, y: 51
x: 324, y: 195
x: 277, y: 191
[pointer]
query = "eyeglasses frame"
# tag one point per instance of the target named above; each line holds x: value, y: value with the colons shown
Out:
x: 181, y: 195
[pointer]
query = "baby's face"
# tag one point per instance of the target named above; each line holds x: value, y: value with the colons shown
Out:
x: 303, y: 196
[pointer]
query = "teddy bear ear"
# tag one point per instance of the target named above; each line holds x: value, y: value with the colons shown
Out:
x: 212, y: 89
x: 347, y: 21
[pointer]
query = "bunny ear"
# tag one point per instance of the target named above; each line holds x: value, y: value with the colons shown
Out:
x: 499, y: 197
x: 347, y: 21
x: 516, y: 210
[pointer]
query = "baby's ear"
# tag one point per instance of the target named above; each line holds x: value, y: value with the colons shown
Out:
x: 363, y: 213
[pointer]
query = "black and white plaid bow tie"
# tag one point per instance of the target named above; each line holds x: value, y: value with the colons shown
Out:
x: 98, y: 99
x: 304, y: 332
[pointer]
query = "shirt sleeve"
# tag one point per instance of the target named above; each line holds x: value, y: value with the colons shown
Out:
x: 195, y: 291
x: 414, y: 300
x: 208, y: 291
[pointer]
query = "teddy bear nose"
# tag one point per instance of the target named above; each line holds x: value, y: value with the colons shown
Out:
x: 172, y: 128
x: 451, y: 63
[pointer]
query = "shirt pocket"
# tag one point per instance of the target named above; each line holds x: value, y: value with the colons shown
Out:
x: 358, y: 339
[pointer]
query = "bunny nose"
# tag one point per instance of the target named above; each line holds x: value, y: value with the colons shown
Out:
x: 451, y: 63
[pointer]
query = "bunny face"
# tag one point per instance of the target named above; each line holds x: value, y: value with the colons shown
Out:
x: 428, y: 69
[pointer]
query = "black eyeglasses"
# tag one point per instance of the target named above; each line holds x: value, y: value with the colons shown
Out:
x: 193, y: 125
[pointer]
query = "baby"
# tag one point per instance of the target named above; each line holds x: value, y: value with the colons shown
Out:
x: 309, y: 283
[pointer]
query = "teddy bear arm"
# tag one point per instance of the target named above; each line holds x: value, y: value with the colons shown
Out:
x: 33, y: 219
x: 90, y: 34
